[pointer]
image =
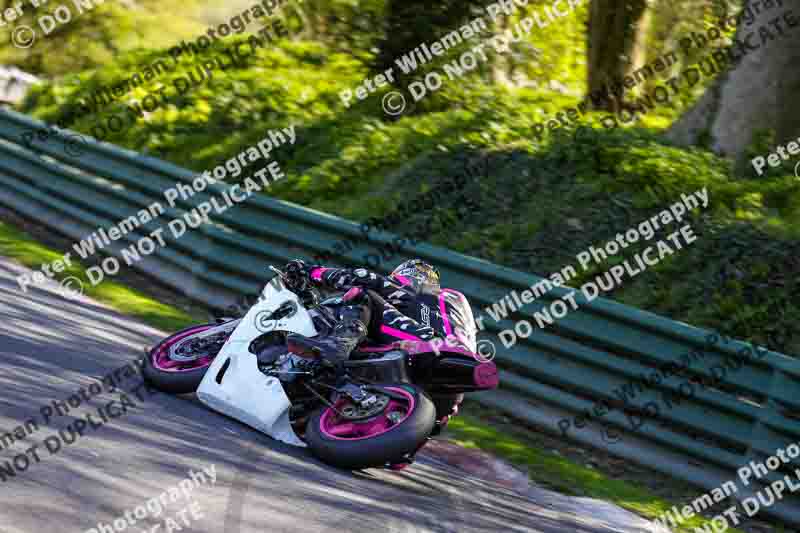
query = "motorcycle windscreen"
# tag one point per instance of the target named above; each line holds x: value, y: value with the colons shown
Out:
x: 234, y: 386
x: 259, y: 319
x: 459, y: 321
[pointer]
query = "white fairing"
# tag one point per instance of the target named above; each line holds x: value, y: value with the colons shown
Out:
x: 245, y: 393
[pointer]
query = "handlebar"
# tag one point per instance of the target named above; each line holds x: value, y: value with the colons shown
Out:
x: 278, y: 271
x: 299, y: 285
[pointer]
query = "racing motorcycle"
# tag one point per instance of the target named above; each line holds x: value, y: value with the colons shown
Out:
x: 376, y: 409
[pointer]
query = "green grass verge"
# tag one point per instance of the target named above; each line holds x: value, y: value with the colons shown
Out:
x: 557, y: 473
x: 560, y: 474
x: 18, y: 245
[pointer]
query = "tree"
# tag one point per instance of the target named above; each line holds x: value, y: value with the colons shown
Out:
x: 757, y: 92
x: 412, y: 22
x: 614, y: 44
x: 349, y: 26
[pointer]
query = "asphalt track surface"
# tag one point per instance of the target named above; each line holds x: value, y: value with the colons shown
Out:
x: 51, y: 346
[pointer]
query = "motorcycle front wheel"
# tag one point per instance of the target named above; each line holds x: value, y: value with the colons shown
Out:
x: 178, y: 363
x: 342, y: 438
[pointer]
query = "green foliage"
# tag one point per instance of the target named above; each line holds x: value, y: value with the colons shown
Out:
x: 266, y: 89
x: 348, y: 26
x: 539, y: 203
x: 96, y: 37
x: 549, y: 58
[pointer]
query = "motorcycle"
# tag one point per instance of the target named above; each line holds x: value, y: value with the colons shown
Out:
x: 377, y: 409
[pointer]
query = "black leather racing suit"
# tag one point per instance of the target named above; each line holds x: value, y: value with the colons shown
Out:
x: 400, y: 309
x: 397, y: 308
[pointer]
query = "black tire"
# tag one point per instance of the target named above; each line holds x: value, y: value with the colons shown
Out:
x: 173, y: 382
x: 388, y: 448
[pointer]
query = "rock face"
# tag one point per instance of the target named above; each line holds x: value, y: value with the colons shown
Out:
x: 758, y: 92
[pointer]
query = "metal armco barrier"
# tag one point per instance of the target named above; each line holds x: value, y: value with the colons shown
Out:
x: 702, y: 437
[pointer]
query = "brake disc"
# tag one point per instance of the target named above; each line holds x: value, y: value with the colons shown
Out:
x: 353, y: 411
x: 203, y: 344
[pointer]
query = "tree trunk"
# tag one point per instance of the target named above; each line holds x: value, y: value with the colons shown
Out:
x: 412, y: 22
x: 500, y: 63
x: 614, y: 26
x: 759, y: 92
x: 639, y: 49
x: 309, y: 31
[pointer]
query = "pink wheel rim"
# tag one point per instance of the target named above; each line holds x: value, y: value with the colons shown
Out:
x: 161, y: 360
x: 333, y: 428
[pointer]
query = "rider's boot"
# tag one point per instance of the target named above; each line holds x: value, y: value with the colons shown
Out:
x: 335, y: 347
x: 350, y: 330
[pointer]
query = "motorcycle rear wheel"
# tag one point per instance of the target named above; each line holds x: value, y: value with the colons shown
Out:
x: 391, y: 437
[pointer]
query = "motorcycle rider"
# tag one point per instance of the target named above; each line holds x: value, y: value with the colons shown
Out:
x: 407, y: 305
